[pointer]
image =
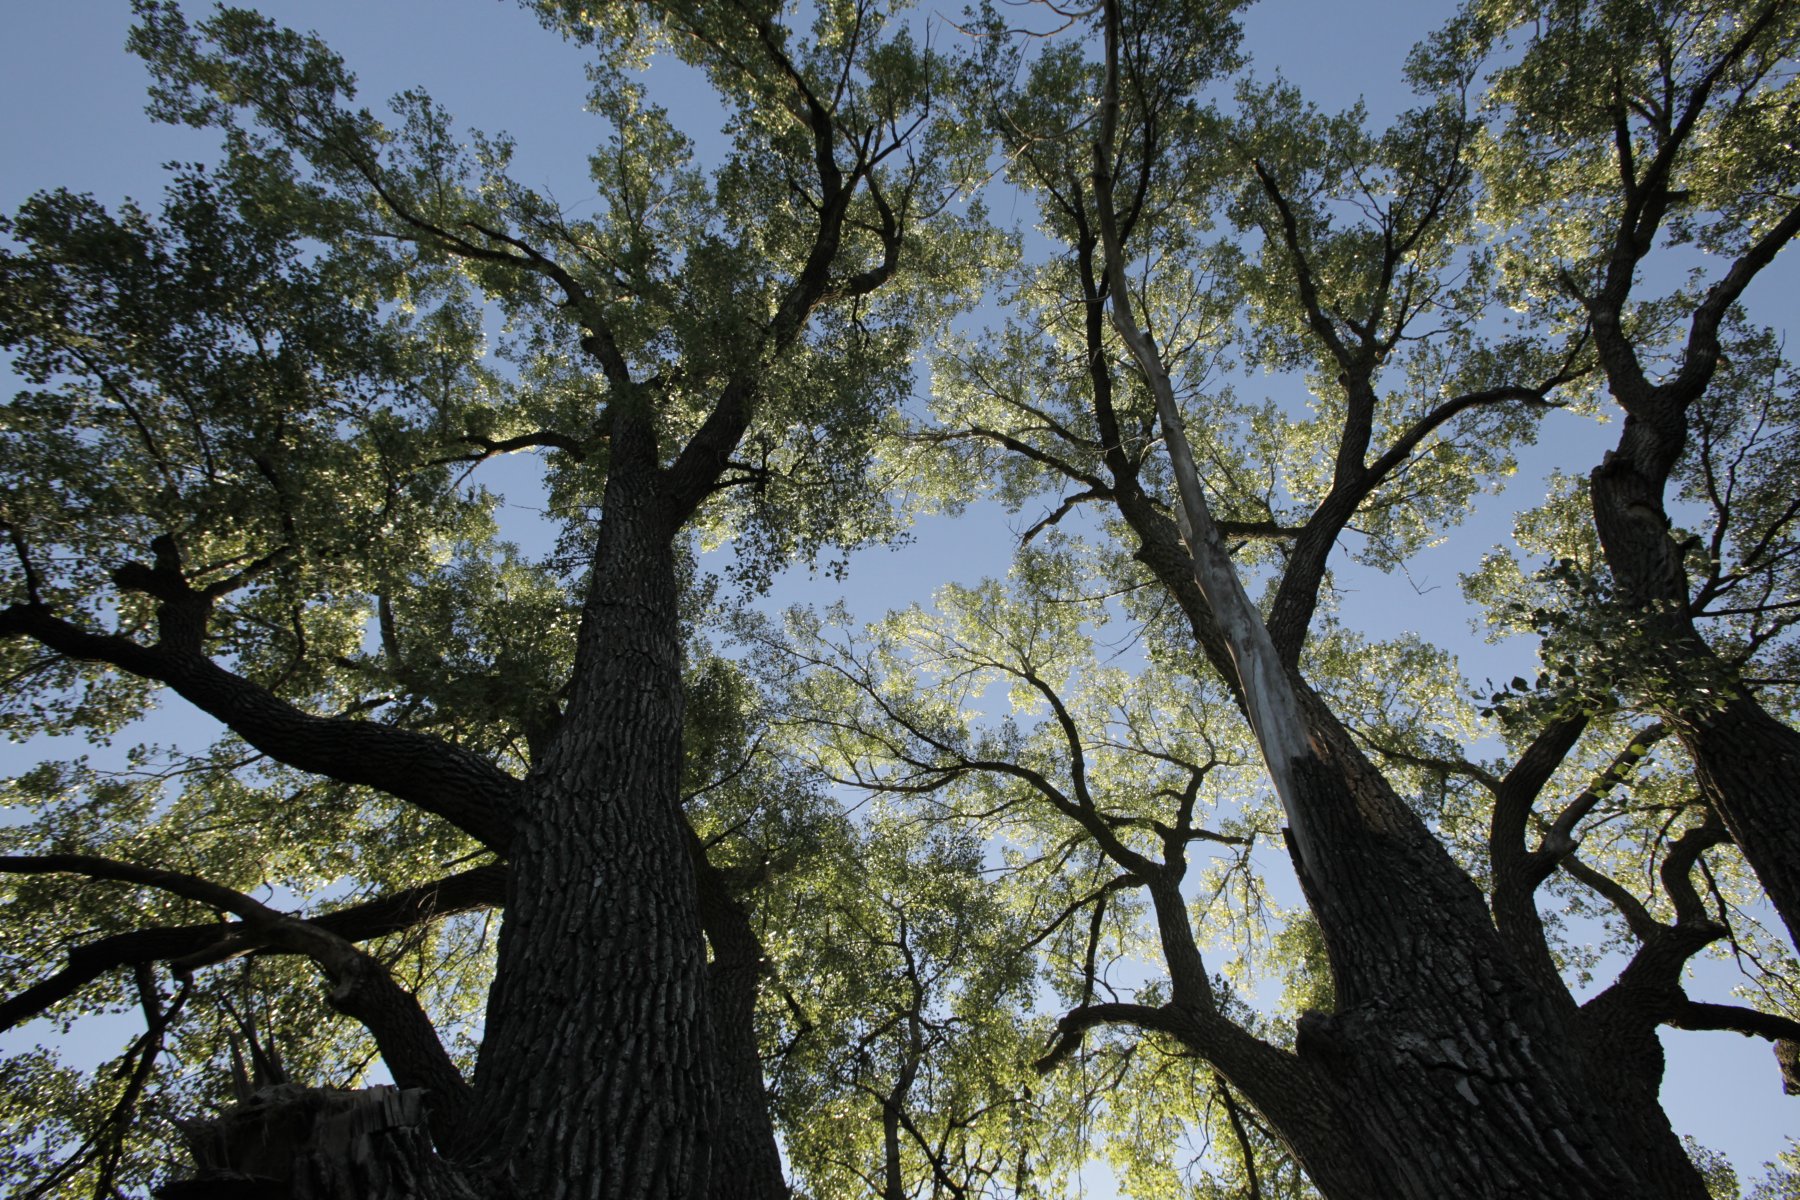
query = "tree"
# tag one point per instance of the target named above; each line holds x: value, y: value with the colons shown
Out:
x: 1673, y: 133
x: 237, y: 478
x: 1452, y: 1058
x: 240, y: 474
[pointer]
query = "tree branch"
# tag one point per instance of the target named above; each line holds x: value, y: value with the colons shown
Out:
x: 361, y: 987
x: 423, y: 771
x: 1516, y: 875
x: 1734, y: 1018
x: 195, y: 946
x: 487, y: 447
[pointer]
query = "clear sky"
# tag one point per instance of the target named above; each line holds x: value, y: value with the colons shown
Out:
x: 73, y: 117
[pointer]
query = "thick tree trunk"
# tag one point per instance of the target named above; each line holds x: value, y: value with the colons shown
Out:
x: 1450, y: 1070
x: 1461, y: 1100
x: 596, y: 1078
x: 1746, y: 760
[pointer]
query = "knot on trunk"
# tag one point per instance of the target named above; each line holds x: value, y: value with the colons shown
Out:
x: 298, y: 1143
x: 1787, y: 1055
x: 1318, y: 1038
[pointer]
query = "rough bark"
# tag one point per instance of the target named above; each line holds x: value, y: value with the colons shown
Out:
x: 595, y: 1078
x: 1518, y: 872
x: 1616, y: 1030
x: 1460, y: 1076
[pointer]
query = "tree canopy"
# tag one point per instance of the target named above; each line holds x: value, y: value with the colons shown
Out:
x: 637, y: 885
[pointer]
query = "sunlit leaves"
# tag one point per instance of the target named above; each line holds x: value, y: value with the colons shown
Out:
x: 1656, y: 95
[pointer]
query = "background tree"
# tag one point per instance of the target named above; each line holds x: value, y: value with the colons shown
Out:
x: 1670, y: 133
x: 903, y: 1070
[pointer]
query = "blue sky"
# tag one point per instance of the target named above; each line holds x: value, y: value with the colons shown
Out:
x: 73, y: 104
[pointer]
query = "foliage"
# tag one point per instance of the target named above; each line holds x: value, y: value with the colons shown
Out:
x: 1000, y: 858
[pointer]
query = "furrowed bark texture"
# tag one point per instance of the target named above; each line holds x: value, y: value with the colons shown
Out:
x: 595, y: 1080
x: 1456, y: 1073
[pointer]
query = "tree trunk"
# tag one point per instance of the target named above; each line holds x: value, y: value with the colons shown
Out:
x: 1746, y: 760
x: 746, y: 1162
x: 1444, y: 1071
x: 617, y: 1063
x: 596, y: 1078
x: 1448, y: 1069
x: 1423, y: 1117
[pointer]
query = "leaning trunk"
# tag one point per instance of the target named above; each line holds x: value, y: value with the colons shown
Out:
x: 596, y: 1078
x: 1444, y: 1070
